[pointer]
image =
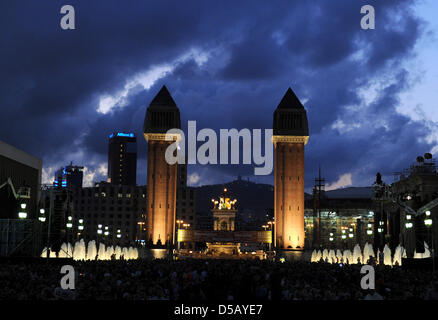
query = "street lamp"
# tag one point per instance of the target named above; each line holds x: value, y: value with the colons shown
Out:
x: 178, y: 240
x: 42, y: 216
x: 106, y: 232
x: 22, y: 214
x: 428, y: 223
x: 81, y: 224
x: 271, y: 224
x: 264, y: 226
x: 70, y: 222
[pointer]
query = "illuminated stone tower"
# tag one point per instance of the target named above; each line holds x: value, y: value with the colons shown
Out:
x: 290, y: 135
x: 162, y: 115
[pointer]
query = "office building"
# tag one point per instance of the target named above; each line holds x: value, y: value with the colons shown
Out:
x: 122, y: 159
x: 69, y: 176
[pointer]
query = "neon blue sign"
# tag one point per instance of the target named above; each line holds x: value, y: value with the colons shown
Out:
x: 121, y: 134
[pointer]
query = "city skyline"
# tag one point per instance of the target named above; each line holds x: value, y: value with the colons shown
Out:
x: 364, y: 106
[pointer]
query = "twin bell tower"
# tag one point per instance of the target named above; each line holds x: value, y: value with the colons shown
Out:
x: 290, y: 135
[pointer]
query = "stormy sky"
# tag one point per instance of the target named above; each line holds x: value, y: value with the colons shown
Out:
x: 370, y: 95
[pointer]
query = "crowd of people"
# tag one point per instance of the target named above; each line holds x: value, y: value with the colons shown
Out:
x: 210, y: 280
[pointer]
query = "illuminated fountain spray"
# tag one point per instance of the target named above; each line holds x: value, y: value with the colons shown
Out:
x: 313, y: 256
x: 79, y: 251
x: 424, y: 255
x: 91, y: 250
x: 101, y: 252
x: 109, y: 252
x: 347, y: 256
x: 131, y: 253
x: 325, y: 255
x: 368, y: 252
x: 357, y: 255
x: 44, y: 253
x: 118, y: 252
x: 387, y: 256
x: 318, y: 255
x: 400, y: 253
x: 63, y: 252
x: 339, y: 256
x: 332, y: 256
x: 125, y: 253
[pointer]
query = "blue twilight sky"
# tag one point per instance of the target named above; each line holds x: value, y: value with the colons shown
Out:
x: 371, y: 96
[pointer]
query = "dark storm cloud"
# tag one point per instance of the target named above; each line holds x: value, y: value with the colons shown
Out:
x: 52, y: 79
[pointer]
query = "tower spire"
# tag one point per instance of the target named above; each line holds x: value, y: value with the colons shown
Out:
x: 291, y: 133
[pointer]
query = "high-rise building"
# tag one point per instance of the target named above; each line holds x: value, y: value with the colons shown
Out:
x: 161, y: 115
x: 291, y: 133
x: 122, y: 159
x: 69, y: 176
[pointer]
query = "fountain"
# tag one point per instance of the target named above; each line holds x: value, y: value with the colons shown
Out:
x: 44, y: 253
x: 348, y: 257
x: 133, y: 253
x: 319, y: 255
x: 69, y: 250
x: 357, y: 255
x: 424, y: 255
x: 368, y: 252
x: 118, y: 252
x: 101, y: 252
x: 63, y: 251
x: 91, y: 250
x: 313, y: 257
x: 332, y: 256
x: 399, y: 251
x: 125, y: 253
x: 339, y: 256
x: 109, y: 252
x: 79, y: 250
x: 325, y: 255
x: 387, y: 256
